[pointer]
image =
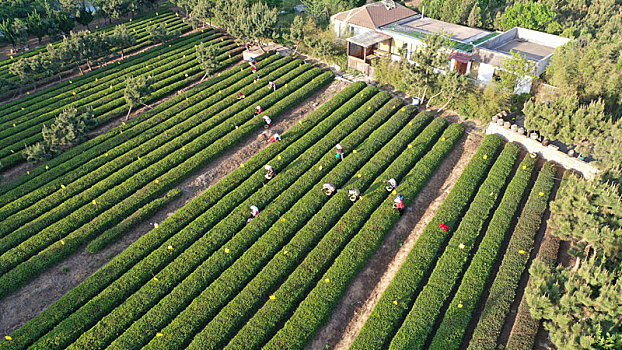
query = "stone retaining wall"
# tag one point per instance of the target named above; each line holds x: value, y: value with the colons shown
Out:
x: 547, y: 152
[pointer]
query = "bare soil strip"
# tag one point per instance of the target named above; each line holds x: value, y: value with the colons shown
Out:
x: 367, y: 288
x: 25, y: 303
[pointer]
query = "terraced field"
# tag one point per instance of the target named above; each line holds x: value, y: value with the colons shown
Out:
x: 138, y: 27
x: 433, y: 298
x: 171, y: 67
x: 207, y: 279
x: 100, y: 183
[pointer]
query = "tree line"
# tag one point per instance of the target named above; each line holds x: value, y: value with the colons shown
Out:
x: 20, y: 19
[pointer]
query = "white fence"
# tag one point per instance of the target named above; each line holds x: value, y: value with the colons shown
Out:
x: 546, y: 152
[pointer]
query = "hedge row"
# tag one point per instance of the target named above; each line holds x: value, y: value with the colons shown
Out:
x: 387, y: 317
x: 105, y: 190
x: 131, y: 24
x: 315, y: 309
x: 154, y: 244
x: 525, y: 328
x: 82, y: 159
x: 420, y: 321
x: 142, y: 41
x: 138, y: 28
x: 459, y: 314
x: 338, y: 211
x: 258, y: 248
x: 89, y: 87
x: 166, y: 87
x: 111, y: 235
x: 62, y: 92
x: 277, y: 102
x: 136, y: 23
x: 111, y: 104
x: 514, y: 262
x: 137, y: 304
x: 190, y: 123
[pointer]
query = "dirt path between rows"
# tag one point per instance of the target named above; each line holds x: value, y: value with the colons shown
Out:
x: 25, y: 303
x: 367, y: 288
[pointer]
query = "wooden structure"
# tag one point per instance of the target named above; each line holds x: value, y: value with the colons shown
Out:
x: 363, y: 49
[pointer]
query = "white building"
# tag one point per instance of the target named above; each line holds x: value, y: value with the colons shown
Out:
x: 385, y: 28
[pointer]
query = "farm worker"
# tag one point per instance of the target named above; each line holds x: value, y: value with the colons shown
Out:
x: 254, y: 68
x: 354, y: 194
x: 240, y: 96
x: 259, y: 110
x: 257, y: 77
x: 443, y: 227
x: 272, y: 85
x: 339, y: 152
x: 254, y: 213
x: 398, y: 203
x: 329, y: 189
x: 270, y: 174
x: 248, y: 45
x: 274, y: 138
x: 267, y: 120
x: 392, y: 184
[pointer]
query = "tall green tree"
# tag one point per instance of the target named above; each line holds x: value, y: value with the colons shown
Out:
x: 122, y: 39
x: 255, y: 22
x: 530, y: 15
x: 475, y: 16
x: 516, y: 71
x: 85, y: 15
x: 69, y: 128
x: 136, y: 90
x: 64, y: 23
x: 186, y: 5
x: 37, y: 25
x: 429, y: 58
x: 207, y: 56
x: 589, y: 214
x: 14, y: 31
x: 564, y: 118
x: 159, y: 33
x: 203, y: 11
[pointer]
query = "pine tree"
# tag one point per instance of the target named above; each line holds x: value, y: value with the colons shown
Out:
x: 580, y: 307
x: 475, y: 16
x: 136, y: 89
x: 207, y: 56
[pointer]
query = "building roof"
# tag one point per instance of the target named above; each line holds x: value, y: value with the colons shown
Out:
x: 375, y: 15
x: 535, y: 46
x: 368, y: 39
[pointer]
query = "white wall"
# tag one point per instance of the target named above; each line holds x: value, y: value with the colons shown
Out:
x: 548, y: 153
x: 485, y: 72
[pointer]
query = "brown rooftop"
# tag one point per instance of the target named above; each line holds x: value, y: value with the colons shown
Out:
x: 375, y: 15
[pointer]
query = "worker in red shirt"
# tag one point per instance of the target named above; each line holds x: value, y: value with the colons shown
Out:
x: 444, y: 227
x: 398, y: 203
x: 274, y: 138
